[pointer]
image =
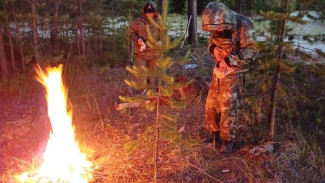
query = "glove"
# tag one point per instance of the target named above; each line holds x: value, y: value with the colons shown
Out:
x: 142, y: 44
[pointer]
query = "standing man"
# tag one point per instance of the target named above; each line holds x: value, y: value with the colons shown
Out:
x: 145, y: 55
x: 230, y: 44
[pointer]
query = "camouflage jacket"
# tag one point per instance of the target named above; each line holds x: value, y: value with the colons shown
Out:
x: 243, y: 49
x: 138, y: 30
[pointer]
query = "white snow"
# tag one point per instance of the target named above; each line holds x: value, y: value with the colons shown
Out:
x: 294, y: 14
x: 306, y: 18
x: 307, y: 47
x: 314, y: 14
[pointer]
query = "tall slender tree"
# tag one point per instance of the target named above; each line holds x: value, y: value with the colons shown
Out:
x: 54, y: 23
x: 277, y: 72
x: 192, y: 14
x: 18, y: 38
x: 3, y: 58
x: 81, y: 28
x: 34, y: 29
x: 165, y: 86
x: 12, y: 55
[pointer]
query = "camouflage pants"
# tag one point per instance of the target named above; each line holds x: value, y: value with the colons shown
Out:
x: 222, y: 106
x: 151, y: 64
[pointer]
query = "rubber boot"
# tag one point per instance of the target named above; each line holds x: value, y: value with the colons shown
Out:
x: 227, y: 146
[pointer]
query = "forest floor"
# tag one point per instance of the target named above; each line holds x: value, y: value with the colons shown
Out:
x: 24, y: 129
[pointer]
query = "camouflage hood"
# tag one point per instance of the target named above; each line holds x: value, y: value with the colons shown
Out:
x: 153, y: 5
x: 218, y: 17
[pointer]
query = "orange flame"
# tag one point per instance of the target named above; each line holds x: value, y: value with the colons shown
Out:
x: 62, y: 159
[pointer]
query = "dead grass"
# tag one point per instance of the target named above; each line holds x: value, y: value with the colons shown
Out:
x: 104, y: 134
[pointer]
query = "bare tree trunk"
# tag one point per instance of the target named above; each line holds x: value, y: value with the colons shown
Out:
x: 238, y: 5
x: 19, y: 38
x: 192, y: 32
x: 12, y: 55
x: 101, y: 29
x: 34, y: 29
x: 96, y: 44
x: 160, y: 3
x: 3, y: 58
x: 82, y: 34
x: 298, y: 6
x: 78, y: 42
x: 101, y: 39
x: 88, y: 46
x: 54, y: 24
x: 157, y: 126
x: 249, y: 8
x: 277, y: 74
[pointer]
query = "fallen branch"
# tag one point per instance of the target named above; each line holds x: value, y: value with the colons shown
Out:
x: 185, y: 34
x: 193, y: 57
x: 202, y: 171
x: 20, y: 160
x: 27, y: 120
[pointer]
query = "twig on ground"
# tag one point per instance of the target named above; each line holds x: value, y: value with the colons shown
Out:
x: 193, y: 57
x: 319, y: 99
x: 26, y: 120
x: 100, y: 116
x: 202, y: 171
x: 20, y: 160
x: 186, y: 30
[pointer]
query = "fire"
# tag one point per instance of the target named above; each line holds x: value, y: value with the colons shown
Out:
x: 62, y: 159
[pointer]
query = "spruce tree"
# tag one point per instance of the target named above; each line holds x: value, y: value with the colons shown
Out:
x: 165, y: 126
x: 265, y: 88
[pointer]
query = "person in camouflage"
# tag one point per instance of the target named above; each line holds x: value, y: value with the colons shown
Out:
x: 232, y: 48
x: 145, y: 55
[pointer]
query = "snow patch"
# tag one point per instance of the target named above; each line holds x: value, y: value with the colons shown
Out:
x: 315, y: 14
x: 294, y: 14
x: 308, y: 15
x: 309, y: 48
x: 306, y: 18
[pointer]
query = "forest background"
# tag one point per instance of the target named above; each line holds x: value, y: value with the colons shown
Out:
x: 91, y: 39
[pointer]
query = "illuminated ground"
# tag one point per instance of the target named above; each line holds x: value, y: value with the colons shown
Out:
x: 24, y: 128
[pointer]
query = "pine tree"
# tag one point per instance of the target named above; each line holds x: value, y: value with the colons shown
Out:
x: 265, y: 86
x: 34, y: 30
x: 165, y: 126
x: 192, y: 17
x: 12, y: 55
x: 3, y: 59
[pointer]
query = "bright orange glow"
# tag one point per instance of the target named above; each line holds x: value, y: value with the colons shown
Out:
x: 62, y: 159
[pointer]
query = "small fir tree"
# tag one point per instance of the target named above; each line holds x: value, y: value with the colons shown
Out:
x: 265, y: 89
x: 165, y: 127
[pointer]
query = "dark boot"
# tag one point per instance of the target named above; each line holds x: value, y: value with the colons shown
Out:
x: 227, y: 146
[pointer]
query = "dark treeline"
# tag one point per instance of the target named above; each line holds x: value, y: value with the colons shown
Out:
x: 250, y: 7
x: 38, y: 31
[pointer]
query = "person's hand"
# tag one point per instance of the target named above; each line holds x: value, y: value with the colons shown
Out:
x: 219, y: 54
x: 140, y: 41
x: 142, y: 44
